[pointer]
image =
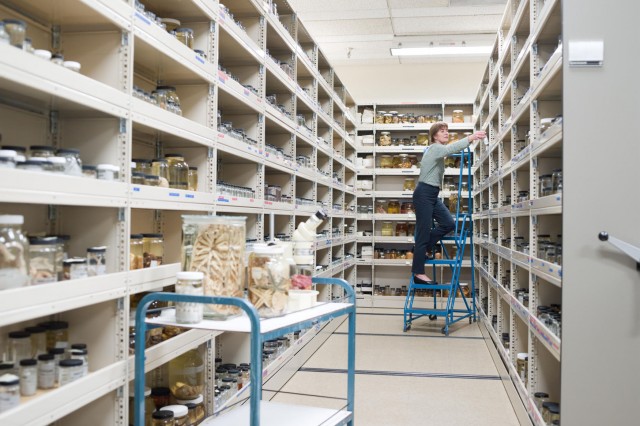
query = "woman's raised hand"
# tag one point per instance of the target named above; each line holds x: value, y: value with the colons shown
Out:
x: 480, y: 134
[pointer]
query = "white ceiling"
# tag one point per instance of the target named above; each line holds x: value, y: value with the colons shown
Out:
x: 359, y: 32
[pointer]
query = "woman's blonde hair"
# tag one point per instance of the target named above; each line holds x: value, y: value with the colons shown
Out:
x: 435, y: 128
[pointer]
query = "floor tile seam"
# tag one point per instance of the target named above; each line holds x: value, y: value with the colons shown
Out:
x: 403, y: 373
x: 310, y: 395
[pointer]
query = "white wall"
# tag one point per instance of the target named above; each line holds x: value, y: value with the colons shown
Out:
x: 423, y: 83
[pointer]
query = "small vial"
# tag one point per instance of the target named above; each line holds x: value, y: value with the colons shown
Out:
x: 69, y: 370
x: 97, y: 261
x: 28, y: 377
x: 58, y: 356
x: 46, y: 371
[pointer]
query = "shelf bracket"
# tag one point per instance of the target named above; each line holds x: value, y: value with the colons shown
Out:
x: 628, y: 249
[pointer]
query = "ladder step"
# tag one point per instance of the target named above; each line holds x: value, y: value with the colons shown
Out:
x: 431, y: 286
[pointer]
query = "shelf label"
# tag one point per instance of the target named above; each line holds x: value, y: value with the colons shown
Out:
x: 143, y: 18
x: 222, y: 199
x: 136, y: 189
x: 192, y: 196
x: 174, y: 194
x: 200, y: 59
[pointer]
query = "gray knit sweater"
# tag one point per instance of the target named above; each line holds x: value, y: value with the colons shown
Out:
x: 432, y: 164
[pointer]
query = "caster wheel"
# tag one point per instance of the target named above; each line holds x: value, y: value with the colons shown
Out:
x: 407, y: 328
x: 433, y: 317
x: 470, y: 320
x: 442, y: 331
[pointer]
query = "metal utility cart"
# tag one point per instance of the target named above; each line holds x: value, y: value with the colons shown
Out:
x: 257, y: 412
x: 463, y: 230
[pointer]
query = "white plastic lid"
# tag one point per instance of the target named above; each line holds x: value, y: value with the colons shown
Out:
x: 11, y: 219
x: 8, y: 153
x: 178, y: 410
x: 39, y: 159
x: 457, y: 110
x: 190, y: 275
x: 42, y: 53
x: 170, y: 21
x: 546, y: 120
x: 72, y: 65
x: 108, y: 167
x: 267, y: 249
x: 523, y: 356
x: 197, y: 400
x: 57, y: 160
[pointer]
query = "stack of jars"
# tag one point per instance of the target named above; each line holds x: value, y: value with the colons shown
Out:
x: 549, y: 250
x: 551, y: 317
x: 392, y: 254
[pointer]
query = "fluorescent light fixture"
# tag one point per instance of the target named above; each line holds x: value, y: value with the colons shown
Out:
x: 437, y: 51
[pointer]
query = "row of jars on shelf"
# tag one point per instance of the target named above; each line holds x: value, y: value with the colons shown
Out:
x: 232, y: 76
x: 387, y: 290
x: 394, y: 117
x: 549, y: 249
x: 14, y: 33
x: 171, y: 25
x: 422, y: 139
x: 172, y: 171
x: 226, y: 127
x: 165, y: 97
x: 394, y: 207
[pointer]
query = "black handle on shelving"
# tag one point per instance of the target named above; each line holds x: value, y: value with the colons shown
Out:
x: 628, y: 249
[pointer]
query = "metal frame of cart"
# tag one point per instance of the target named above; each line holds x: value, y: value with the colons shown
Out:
x: 261, y: 330
x: 463, y: 230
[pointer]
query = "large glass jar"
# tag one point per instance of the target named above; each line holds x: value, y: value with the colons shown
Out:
x: 393, y: 207
x: 19, y: 345
x: 409, y: 184
x: 160, y: 167
x: 193, y: 179
x: 453, y: 202
x: 380, y: 117
x: 178, y: 171
x: 17, y: 30
x: 386, y: 161
x: 96, y: 261
x: 189, y: 283
x: 14, y: 253
x: 57, y: 334
x: 405, y: 162
x: 407, y: 208
x: 152, y: 250
x: 186, y: 375
x: 396, y: 161
x: 43, y: 259
x: 546, y: 185
x: 388, y: 118
x: 401, y: 229
x: 458, y: 116
x: 180, y: 413
x: 162, y: 418
x: 215, y: 245
x: 136, y: 252
x: 384, y: 139
x: 387, y: 229
x: 423, y: 139
x: 268, y: 280
x: 185, y: 36
x: 381, y: 207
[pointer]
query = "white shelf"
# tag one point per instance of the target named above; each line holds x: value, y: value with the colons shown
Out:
x: 548, y: 339
x: 277, y: 414
x: 550, y: 272
x: 241, y: 324
x: 150, y: 279
x: 240, y: 36
x: 396, y: 172
x: 239, y: 92
x: 150, y: 197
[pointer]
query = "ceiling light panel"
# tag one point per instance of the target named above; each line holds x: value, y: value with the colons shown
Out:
x: 448, y: 11
x: 345, y: 28
x: 441, y: 25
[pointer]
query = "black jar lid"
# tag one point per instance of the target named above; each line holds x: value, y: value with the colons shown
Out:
x: 100, y: 249
x: 138, y: 174
x: 227, y: 380
x: 162, y: 414
x: 19, y: 335
x: 6, y: 366
x: 35, y: 329
x: 228, y: 366
x: 159, y: 160
x: 79, y: 346
x: 193, y: 168
x: 191, y: 406
x: 70, y: 363
x: 152, y: 235
x: 10, y: 381
x: 218, y: 360
x: 136, y: 236
x: 173, y: 88
x: 89, y: 167
x: 20, y: 149
x: 505, y: 336
x: 221, y: 370
x: 15, y: 21
x: 56, y: 351
x: 545, y: 177
x: 75, y: 261
x: 141, y: 160
x: 553, y: 407
x: 28, y: 362
x: 45, y: 357
x: 42, y: 148
x: 160, y: 391
x: 68, y: 151
x: 541, y: 395
x: 236, y: 372
x: 56, y: 325
x: 174, y: 155
x: 41, y: 241
x: 151, y: 177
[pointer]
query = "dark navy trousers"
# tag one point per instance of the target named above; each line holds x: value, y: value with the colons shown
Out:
x: 428, y: 207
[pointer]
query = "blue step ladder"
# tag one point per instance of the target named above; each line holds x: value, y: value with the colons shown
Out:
x: 463, y: 230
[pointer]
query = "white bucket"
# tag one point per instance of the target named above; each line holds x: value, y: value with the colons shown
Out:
x: 301, y: 299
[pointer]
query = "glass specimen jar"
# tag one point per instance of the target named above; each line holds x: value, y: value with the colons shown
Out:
x: 380, y: 117
x: 193, y: 179
x: 197, y: 410
x: 381, y: 207
x: 136, y: 252
x: 269, y: 280
x: 388, y: 118
x: 423, y: 139
x: 9, y: 392
x: 186, y: 375
x: 7, y: 159
x: 522, y: 366
x: 185, y: 36
x: 57, y: 334
x: 28, y: 377
x: 74, y: 268
x: 407, y: 208
x: 90, y: 172
x: 189, y: 283
x: 215, y: 246
x: 17, y: 31
x: 160, y: 167
x: 14, y: 253
x: 96, y: 261
x: 43, y: 258
x: 557, y: 180
x: 386, y: 161
x: 405, y: 162
x: 152, y: 250
x: 19, y: 345
x: 162, y: 418
x: 42, y: 151
x: 393, y: 207
x: 108, y: 172
x: 401, y: 229
x: 46, y: 371
x: 137, y: 178
x: 540, y: 398
x: 73, y: 162
x: 546, y: 185
x: 38, y: 337
x: 387, y: 229
x: 384, y: 139
x: 409, y: 184
x: 458, y: 116
x: 5, y: 38
x: 180, y: 414
x: 69, y: 370
x: 161, y: 397
x: 79, y: 351
x: 178, y: 171
x: 152, y: 180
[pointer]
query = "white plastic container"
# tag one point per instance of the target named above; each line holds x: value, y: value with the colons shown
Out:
x: 301, y: 299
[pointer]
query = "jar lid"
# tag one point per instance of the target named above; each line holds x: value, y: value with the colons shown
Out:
x: 393, y: 112
x: 79, y: 352
x: 72, y: 65
x: 138, y: 174
x: 541, y: 395
x: 28, y: 362
x: 178, y: 410
x: 184, y: 30
x: 523, y: 356
x: 40, y: 241
x: 56, y: 325
x: 385, y: 133
x: 191, y: 405
x: 16, y: 148
x: 136, y: 236
x: 233, y: 371
x: 151, y: 177
x: 19, y: 334
x: 158, y: 160
x: 68, y: 151
x: 56, y: 351
x: 152, y: 235
x: 553, y: 407
x: 221, y: 370
x: 173, y: 156
x: 45, y: 357
x: 11, y: 219
x: 190, y: 275
x: 35, y: 329
x: 8, y: 153
x: 99, y: 249
x: 171, y: 88
x: 545, y: 176
x: 70, y: 363
x: 42, y: 148
x: 160, y: 391
x: 199, y: 399
x: 544, y: 236
x: 6, y: 367
x: 108, y: 167
x: 382, y: 112
x: 57, y: 160
x: 170, y: 21
x: 9, y: 380
x: 228, y: 379
x: 162, y: 415
x: 193, y: 168
x: 93, y: 168
x: 43, y: 53
x: 141, y: 160
x: 457, y: 110
x: 14, y: 21
x: 546, y: 120
x: 267, y: 249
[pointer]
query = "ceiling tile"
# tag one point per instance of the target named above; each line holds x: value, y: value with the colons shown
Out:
x: 446, y: 25
x: 448, y: 11
x: 410, y: 4
x: 351, y: 27
x: 458, y: 3
x: 314, y: 5
x: 331, y: 14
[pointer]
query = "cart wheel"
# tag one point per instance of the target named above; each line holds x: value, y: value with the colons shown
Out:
x: 406, y: 328
x: 433, y: 317
x: 442, y: 331
x: 470, y: 320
